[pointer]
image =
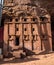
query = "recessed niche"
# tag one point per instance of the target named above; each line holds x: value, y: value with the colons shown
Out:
x: 17, y: 29
x: 10, y: 19
x: 25, y: 29
x: 26, y: 37
x: 34, y: 37
x: 25, y: 19
x: 33, y: 29
x: 16, y: 20
x: 44, y: 37
x: 9, y: 36
x: 11, y: 10
x: 34, y: 19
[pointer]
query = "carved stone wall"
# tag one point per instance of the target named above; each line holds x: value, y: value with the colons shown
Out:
x: 27, y: 24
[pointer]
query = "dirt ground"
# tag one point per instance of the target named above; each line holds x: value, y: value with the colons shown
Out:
x: 42, y: 59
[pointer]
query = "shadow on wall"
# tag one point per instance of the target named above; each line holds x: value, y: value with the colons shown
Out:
x: 44, y: 37
x: 52, y: 28
x: 46, y: 42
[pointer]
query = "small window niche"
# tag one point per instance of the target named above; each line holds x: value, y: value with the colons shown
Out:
x: 33, y: 29
x: 25, y: 19
x: 44, y: 37
x: 26, y: 37
x: 34, y: 20
x: 17, y: 29
x: 9, y: 36
x: 16, y: 19
x: 34, y: 37
x: 25, y: 29
x: 10, y: 19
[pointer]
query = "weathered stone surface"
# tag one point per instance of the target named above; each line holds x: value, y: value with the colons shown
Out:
x: 26, y: 26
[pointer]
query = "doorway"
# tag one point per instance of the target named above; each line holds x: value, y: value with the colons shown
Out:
x: 17, y: 41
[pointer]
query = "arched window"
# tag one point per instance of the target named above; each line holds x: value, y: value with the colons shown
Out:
x: 34, y: 19
x: 25, y: 19
x: 16, y: 19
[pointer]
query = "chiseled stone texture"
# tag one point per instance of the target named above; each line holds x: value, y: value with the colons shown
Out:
x: 38, y: 19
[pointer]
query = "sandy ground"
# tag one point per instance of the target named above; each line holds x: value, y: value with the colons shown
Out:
x: 45, y: 59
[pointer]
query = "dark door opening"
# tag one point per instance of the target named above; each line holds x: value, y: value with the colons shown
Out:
x: 52, y: 28
x: 17, y: 40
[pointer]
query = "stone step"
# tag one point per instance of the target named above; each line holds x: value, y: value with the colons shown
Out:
x: 19, y: 54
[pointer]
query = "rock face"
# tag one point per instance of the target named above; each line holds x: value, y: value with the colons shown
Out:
x: 45, y: 4
x: 22, y: 1
x: 26, y: 5
x: 49, y: 5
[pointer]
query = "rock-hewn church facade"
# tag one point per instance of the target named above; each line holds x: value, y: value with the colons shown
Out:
x: 27, y: 28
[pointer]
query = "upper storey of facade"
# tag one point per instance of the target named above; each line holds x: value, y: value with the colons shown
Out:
x: 24, y: 8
